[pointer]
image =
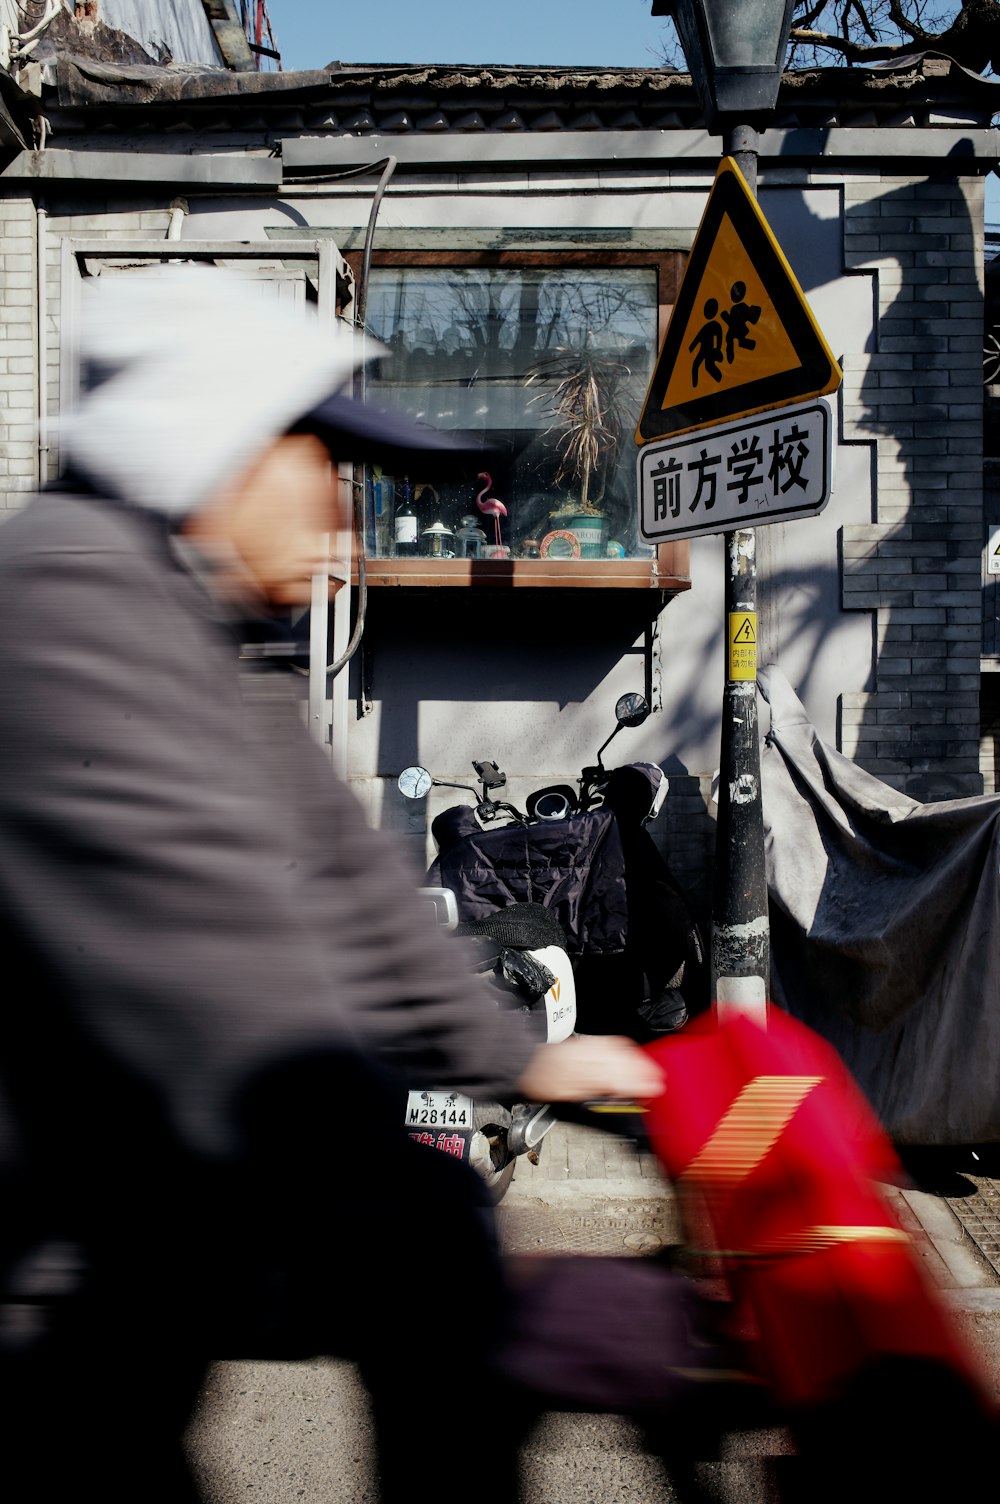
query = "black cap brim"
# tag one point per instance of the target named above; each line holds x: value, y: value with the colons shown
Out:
x: 357, y: 431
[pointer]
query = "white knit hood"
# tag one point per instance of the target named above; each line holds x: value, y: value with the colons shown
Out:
x: 188, y: 375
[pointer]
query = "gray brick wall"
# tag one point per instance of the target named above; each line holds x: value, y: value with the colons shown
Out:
x: 20, y: 462
x: 18, y: 352
x: 684, y: 831
x: 917, y: 564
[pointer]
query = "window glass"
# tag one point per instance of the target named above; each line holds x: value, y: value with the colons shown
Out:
x: 549, y: 365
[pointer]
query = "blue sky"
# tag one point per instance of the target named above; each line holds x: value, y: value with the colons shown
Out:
x: 615, y: 33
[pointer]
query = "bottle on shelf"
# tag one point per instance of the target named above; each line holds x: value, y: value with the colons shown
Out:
x: 406, y: 523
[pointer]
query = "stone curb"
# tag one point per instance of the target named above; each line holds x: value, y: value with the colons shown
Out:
x: 957, y: 1250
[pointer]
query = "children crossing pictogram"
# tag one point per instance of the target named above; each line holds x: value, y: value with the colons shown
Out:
x: 742, y: 338
x: 738, y: 321
x: 708, y: 342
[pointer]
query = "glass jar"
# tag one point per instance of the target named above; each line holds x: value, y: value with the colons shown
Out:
x: 530, y: 549
x: 437, y: 540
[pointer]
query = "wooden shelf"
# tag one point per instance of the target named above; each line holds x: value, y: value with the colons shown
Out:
x: 668, y: 570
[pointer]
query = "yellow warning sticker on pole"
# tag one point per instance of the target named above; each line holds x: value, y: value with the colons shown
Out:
x: 742, y: 645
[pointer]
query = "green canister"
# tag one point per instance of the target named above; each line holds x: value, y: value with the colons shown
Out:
x: 591, y: 530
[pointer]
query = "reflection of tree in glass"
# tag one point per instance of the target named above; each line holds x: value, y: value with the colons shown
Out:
x: 490, y: 323
x: 487, y: 313
x: 536, y: 309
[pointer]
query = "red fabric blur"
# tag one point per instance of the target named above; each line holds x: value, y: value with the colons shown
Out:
x: 773, y: 1146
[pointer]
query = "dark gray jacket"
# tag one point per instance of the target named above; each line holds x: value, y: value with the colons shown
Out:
x: 188, y: 896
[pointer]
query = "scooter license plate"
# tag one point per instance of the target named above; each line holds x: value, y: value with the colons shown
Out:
x: 438, y: 1109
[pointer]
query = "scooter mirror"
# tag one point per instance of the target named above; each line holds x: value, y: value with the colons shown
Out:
x: 631, y: 710
x: 414, y: 783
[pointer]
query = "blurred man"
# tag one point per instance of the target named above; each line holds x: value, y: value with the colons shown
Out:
x: 223, y: 975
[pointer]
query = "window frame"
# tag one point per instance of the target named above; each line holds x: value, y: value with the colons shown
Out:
x: 668, y: 569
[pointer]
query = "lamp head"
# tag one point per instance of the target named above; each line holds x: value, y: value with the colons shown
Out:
x: 735, y: 54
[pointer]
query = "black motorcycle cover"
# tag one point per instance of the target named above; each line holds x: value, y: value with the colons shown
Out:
x: 574, y: 867
x: 637, y: 956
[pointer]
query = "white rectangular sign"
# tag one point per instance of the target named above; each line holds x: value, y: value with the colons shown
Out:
x: 768, y: 468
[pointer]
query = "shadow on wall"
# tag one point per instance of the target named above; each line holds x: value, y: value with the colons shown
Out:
x: 915, y: 570
x: 805, y: 591
x: 472, y: 648
x: 919, y: 730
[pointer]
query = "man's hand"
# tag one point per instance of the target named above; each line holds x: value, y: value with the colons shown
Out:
x: 588, y: 1067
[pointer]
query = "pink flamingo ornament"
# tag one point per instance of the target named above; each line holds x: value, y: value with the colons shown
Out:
x: 492, y: 507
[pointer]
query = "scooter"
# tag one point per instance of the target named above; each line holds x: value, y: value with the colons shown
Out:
x: 585, y: 854
x: 519, y: 954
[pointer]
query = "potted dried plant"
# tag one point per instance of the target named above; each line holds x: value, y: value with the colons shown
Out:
x: 587, y: 398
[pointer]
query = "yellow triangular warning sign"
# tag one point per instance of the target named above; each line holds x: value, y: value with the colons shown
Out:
x: 745, y: 631
x: 734, y: 335
x: 742, y: 338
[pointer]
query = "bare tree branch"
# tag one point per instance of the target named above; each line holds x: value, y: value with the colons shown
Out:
x: 908, y: 27
x: 869, y: 31
x: 812, y: 13
x: 854, y: 52
x: 862, y: 16
x: 861, y: 32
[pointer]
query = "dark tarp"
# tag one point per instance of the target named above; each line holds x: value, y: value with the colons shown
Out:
x: 885, y: 930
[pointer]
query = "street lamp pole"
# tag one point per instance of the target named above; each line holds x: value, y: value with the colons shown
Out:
x: 736, y: 55
x: 741, y: 931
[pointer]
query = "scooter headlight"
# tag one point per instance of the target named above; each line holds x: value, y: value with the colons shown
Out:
x: 552, y: 807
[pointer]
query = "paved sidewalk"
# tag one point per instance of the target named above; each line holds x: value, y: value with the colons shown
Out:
x: 605, y: 1162
x: 967, y: 1182
x: 950, y: 1209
